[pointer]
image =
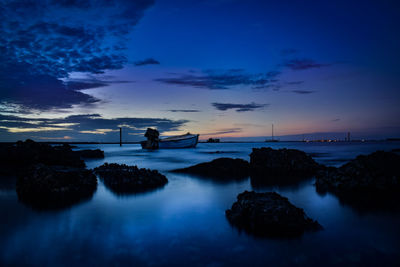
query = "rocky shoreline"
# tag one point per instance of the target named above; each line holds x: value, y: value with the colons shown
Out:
x: 50, y: 187
x: 53, y: 177
x: 48, y: 177
x: 267, y: 166
x: 367, y: 181
x: 122, y: 179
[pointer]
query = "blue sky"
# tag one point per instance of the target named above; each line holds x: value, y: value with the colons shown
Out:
x: 76, y: 71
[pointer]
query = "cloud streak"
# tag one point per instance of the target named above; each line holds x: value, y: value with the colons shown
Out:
x: 148, y: 61
x: 184, y: 110
x: 303, y: 92
x: 303, y: 64
x: 238, y: 107
x: 223, y: 131
x: 217, y: 80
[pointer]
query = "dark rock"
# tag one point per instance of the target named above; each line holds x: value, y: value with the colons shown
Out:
x: 45, y: 187
x: 223, y: 168
x: 281, y: 165
x: 269, y: 214
x: 129, y: 179
x: 91, y: 154
x: 20, y: 156
x: 367, y: 178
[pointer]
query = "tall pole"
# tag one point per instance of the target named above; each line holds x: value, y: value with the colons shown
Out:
x: 120, y: 136
x: 272, y: 132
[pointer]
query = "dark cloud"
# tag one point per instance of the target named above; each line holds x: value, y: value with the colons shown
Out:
x: 148, y: 61
x: 44, y: 41
x: 335, y: 120
x: 80, y: 85
x: 37, y: 91
x: 90, y: 83
x: 82, y: 127
x: 302, y: 92
x: 295, y: 83
x: 239, y: 107
x: 184, y: 110
x: 303, y: 64
x: 224, y: 131
x: 273, y: 86
x: 221, y: 80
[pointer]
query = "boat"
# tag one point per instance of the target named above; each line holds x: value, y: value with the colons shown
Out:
x: 180, y: 141
x: 187, y: 140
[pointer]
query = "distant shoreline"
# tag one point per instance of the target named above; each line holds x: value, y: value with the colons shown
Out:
x: 232, y: 142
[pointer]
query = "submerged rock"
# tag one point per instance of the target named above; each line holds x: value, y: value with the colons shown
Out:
x: 370, y: 178
x: 122, y: 178
x: 91, y: 153
x: 269, y: 214
x: 280, y: 165
x: 45, y: 187
x: 223, y: 168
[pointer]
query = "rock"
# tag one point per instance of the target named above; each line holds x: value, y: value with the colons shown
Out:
x: 20, y: 156
x: 269, y: 214
x: 129, y: 179
x: 270, y: 166
x: 91, y: 154
x: 367, y: 178
x: 223, y: 168
x: 45, y: 187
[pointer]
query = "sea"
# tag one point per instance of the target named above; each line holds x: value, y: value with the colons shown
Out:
x: 184, y: 223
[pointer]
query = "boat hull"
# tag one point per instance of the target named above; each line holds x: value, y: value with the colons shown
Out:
x: 189, y: 142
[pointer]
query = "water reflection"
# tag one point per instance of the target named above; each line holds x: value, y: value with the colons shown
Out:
x: 184, y: 223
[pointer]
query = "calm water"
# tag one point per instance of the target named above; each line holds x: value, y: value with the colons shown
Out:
x: 184, y: 222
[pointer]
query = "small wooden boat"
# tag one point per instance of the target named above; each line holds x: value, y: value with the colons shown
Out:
x: 180, y: 141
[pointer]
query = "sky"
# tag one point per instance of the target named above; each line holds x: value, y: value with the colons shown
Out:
x: 78, y: 70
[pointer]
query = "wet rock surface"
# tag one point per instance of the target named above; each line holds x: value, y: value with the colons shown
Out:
x: 53, y: 187
x: 369, y: 178
x: 121, y: 178
x: 20, y: 156
x: 223, y: 168
x: 271, y: 166
x: 269, y: 215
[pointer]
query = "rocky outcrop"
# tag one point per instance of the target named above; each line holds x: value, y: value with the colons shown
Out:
x: 269, y: 214
x: 121, y: 178
x: 269, y: 165
x: 51, y: 187
x: 91, y: 153
x: 375, y: 176
x: 221, y: 168
x: 19, y: 157
x: 22, y: 155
